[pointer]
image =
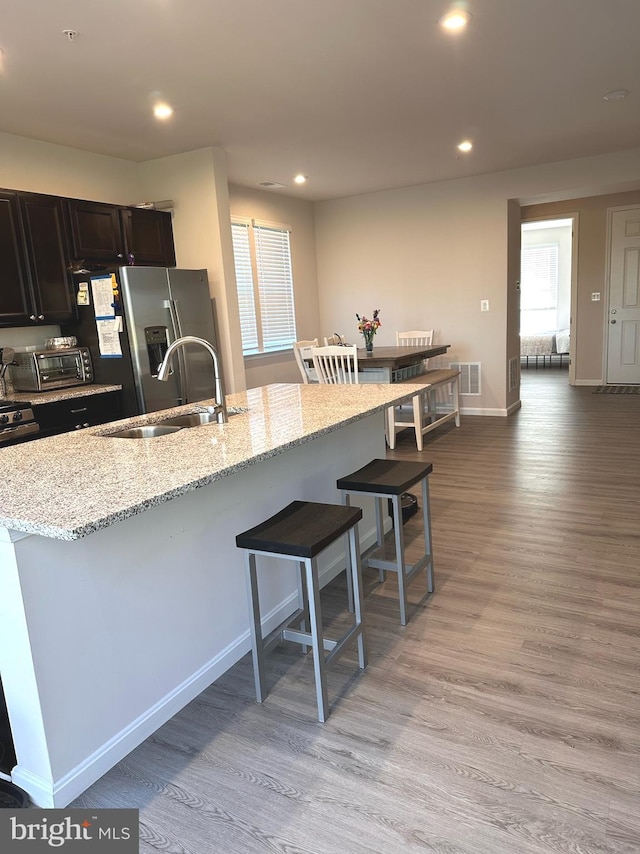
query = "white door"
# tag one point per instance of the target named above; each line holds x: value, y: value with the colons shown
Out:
x: 623, y: 339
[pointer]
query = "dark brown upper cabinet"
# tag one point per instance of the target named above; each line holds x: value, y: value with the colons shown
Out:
x: 35, y: 283
x: 148, y: 237
x: 96, y: 235
x: 15, y: 294
x: 112, y: 235
x: 46, y: 239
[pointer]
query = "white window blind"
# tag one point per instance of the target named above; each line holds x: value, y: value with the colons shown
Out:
x: 244, y: 284
x: 539, y: 288
x: 265, y: 286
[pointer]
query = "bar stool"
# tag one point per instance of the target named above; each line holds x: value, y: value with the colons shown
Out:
x: 387, y: 480
x: 301, y: 532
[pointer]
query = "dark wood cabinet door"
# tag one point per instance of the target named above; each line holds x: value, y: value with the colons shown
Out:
x: 148, y: 237
x: 43, y: 223
x: 77, y: 412
x: 16, y: 299
x: 95, y: 232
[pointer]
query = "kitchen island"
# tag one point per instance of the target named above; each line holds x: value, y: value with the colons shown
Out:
x: 122, y: 594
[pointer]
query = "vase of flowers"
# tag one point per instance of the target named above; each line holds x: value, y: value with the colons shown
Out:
x: 368, y: 328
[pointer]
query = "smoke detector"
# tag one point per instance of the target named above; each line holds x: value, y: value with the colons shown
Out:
x: 72, y: 35
x: 616, y: 95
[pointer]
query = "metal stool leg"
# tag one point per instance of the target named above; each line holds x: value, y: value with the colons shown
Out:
x: 399, y: 540
x: 257, y: 647
x: 317, y: 638
x: 428, y: 542
x: 348, y: 563
x: 356, y: 578
x: 303, y: 603
x: 379, y: 533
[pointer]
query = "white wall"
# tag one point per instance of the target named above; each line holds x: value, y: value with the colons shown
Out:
x: 197, y: 184
x: 426, y: 256
x: 269, y: 206
x: 41, y: 167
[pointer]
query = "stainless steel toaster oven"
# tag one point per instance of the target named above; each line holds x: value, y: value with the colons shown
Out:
x: 42, y: 370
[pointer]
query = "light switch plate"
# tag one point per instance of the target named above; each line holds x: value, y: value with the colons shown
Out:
x: 484, y: 305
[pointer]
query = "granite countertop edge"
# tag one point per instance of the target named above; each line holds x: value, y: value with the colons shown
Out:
x: 241, y: 404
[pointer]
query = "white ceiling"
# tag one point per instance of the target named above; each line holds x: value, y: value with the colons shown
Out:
x: 359, y: 95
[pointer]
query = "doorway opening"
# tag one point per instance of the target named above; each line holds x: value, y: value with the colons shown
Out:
x: 546, y: 289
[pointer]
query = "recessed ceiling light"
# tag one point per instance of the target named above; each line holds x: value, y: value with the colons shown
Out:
x: 466, y: 145
x: 616, y: 95
x: 300, y: 179
x: 455, y: 20
x: 162, y: 111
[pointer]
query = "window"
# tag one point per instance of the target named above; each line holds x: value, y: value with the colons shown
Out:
x: 539, y: 288
x: 262, y: 255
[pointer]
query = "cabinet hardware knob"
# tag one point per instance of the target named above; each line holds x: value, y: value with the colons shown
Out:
x: 32, y: 317
x: 41, y: 317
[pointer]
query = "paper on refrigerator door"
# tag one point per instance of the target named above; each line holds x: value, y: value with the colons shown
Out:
x: 109, y: 338
x: 108, y: 325
x: 102, y: 291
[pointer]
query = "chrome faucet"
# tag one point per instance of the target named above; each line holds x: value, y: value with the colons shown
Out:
x: 164, y: 367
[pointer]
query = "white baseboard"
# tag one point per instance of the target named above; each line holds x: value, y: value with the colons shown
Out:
x: 589, y: 382
x: 472, y: 411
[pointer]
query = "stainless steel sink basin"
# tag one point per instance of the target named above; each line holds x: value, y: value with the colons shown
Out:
x: 190, y: 419
x: 148, y: 431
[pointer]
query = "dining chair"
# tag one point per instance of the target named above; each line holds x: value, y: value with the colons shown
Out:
x: 423, y: 413
x: 302, y: 352
x: 336, y: 365
x: 415, y: 338
x: 422, y: 406
x: 334, y: 340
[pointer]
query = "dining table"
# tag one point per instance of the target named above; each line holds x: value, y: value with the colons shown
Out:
x: 395, y: 364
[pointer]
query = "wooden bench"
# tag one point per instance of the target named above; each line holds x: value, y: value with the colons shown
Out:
x: 421, y: 414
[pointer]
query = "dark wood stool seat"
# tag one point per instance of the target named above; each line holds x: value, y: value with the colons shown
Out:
x: 388, y: 480
x: 301, y: 532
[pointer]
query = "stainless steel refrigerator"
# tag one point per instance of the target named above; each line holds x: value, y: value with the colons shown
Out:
x: 157, y: 305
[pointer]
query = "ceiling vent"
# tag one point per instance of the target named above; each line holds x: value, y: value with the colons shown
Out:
x: 271, y: 185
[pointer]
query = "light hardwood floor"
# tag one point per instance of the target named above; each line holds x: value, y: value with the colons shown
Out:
x: 503, y: 718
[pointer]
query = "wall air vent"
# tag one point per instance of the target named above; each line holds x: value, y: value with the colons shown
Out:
x: 514, y: 373
x: 271, y: 185
x: 469, y: 376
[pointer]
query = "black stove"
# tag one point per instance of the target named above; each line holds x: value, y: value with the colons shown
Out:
x: 17, y: 420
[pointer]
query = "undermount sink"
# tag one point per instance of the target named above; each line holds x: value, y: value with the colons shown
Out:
x: 169, y: 425
x: 190, y: 419
x: 148, y: 431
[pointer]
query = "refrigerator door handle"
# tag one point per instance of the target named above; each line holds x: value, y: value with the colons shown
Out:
x: 183, y: 368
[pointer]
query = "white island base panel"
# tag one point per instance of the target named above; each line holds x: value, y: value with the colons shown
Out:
x: 104, y: 638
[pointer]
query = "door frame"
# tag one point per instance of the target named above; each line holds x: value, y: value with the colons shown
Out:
x: 607, y: 284
x: 573, y: 324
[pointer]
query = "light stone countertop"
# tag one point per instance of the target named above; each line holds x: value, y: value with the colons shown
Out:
x: 55, y: 396
x: 68, y: 486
